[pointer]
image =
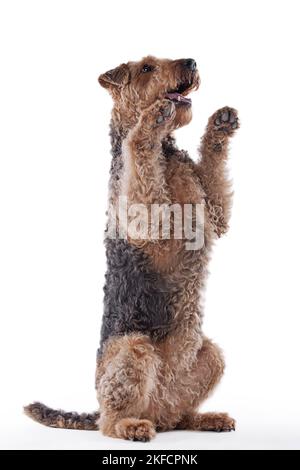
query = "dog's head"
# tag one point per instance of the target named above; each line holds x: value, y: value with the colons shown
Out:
x: 136, y: 85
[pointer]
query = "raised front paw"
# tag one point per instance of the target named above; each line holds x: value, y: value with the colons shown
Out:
x: 226, y: 120
x: 217, y: 422
x: 161, y: 113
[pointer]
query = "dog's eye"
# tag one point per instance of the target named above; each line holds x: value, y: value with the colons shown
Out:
x: 147, y: 68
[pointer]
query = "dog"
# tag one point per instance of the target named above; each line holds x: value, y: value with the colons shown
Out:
x: 155, y: 367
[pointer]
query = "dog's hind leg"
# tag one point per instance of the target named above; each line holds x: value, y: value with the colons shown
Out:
x: 205, y: 377
x: 212, y: 167
x: 125, y: 380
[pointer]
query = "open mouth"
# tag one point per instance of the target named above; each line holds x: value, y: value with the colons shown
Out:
x: 178, y: 96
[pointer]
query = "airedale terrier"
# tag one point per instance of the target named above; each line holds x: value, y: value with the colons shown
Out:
x: 155, y: 367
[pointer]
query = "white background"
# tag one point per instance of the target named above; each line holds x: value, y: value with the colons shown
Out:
x: 55, y: 162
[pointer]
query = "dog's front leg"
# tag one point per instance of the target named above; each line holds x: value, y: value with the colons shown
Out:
x: 212, y: 167
x: 144, y: 165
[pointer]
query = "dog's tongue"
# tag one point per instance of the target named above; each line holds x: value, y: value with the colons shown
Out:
x: 178, y: 97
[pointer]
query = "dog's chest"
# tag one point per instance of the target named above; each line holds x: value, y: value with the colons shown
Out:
x: 183, y: 184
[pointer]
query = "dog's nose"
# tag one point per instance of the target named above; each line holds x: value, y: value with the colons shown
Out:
x: 190, y: 64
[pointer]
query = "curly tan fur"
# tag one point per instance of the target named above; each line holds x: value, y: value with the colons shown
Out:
x: 155, y: 367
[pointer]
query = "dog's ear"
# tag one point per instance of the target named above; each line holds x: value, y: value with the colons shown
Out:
x: 115, y: 78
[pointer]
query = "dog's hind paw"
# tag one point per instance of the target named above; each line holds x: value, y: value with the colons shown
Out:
x: 217, y: 422
x: 135, y: 429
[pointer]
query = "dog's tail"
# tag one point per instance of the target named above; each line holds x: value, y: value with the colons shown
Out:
x: 62, y: 419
